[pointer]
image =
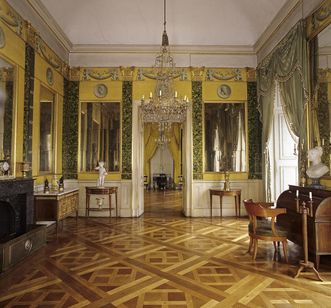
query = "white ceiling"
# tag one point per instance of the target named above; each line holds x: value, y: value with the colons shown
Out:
x: 219, y: 33
x: 140, y: 22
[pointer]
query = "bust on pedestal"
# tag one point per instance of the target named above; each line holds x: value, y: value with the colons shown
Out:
x: 317, y: 169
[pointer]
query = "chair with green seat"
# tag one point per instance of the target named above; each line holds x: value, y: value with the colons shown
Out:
x: 263, y: 226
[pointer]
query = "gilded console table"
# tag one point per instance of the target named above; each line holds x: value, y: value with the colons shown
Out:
x: 56, y: 205
x: 236, y: 193
x: 107, y: 190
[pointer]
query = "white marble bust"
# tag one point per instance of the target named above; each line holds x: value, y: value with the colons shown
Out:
x: 317, y: 168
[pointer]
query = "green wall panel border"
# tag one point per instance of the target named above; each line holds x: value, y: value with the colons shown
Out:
x: 28, y: 104
x: 8, y: 120
x: 197, y: 130
x: 323, y: 120
x: 70, y: 129
x: 254, y: 133
x: 127, y: 130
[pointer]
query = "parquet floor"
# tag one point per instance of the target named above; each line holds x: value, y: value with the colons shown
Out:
x: 159, y: 261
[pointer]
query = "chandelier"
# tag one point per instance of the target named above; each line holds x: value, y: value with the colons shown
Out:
x: 165, y: 106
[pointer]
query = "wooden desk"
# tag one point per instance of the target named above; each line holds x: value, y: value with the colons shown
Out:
x: 220, y: 192
x: 319, y: 225
x: 56, y: 205
x: 100, y: 191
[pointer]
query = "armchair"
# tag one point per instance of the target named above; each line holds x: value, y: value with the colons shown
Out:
x: 262, y: 226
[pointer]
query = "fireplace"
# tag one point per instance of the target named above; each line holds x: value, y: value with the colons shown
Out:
x: 19, y: 236
x: 7, y: 221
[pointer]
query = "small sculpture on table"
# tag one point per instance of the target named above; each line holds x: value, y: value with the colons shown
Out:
x: 61, y: 184
x: 102, y: 174
x: 226, y: 181
x: 317, y: 169
x: 46, y: 187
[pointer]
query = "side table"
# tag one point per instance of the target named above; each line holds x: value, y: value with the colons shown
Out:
x: 101, y: 191
x: 236, y: 193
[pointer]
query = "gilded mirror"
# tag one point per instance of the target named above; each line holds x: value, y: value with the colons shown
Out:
x: 6, y: 113
x: 46, y: 147
x: 99, y: 136
x: 225, y: 137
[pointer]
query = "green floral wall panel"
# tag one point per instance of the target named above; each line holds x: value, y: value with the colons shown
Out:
x: 197, y: 130
x: 254, y: 134
x: 323, y: 120
x: 70, y: 129
x: 28, y: 103
x: 127, y: 130
x: 8, y: 120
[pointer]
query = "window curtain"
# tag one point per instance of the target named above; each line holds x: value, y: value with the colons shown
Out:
x: 287, y: 65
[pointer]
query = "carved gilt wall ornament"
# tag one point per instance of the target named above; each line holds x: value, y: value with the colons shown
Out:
x: 52, y: 60
x: 317, y: 21
x: 2, y: 38
x: 127, y: 73
x: 100, y: 90
x: 111, y: 73
x: 151, y: 74
x: 13, y: 20
x: 224, y: 91
x: 197, y: 73
x: 49, y: 76
x: 233, y: 74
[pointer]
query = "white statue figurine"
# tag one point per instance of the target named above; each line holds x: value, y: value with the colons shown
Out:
x: 317, y: 168
x: 102, y: 174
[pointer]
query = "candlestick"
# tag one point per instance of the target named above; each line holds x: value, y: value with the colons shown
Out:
x: 297, y: 193
x: 150, y: 95
x: 310, y: 195
x: 322, y: 141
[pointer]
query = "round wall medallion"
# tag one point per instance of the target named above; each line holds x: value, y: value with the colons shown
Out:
x: 100, y: 90
x: 2, y: 38
x: 224, y: 91
x: 49, y: 76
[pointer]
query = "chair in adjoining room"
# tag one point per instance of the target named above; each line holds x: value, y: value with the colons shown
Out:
x: 263, y: 226
x: 146, y: 184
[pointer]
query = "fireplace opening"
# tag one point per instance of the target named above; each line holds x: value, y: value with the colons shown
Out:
x: 7, y: 221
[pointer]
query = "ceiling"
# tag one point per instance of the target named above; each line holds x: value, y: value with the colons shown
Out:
x: 140, y: 22
x: 214, y: 33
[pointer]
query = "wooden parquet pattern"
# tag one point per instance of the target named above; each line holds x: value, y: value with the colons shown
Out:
x: 159, y: 261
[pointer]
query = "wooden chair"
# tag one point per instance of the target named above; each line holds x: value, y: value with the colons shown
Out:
x: 146, y: 182
x: 262, y: 226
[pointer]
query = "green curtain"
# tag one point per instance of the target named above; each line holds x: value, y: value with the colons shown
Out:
x: 287, y: 65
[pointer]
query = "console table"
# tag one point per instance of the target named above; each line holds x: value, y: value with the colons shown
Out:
x: 101, y: 191
x: 56, y: 205
x: 236, y: 193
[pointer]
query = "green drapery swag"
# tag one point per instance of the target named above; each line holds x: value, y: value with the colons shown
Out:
x: 287, y: 65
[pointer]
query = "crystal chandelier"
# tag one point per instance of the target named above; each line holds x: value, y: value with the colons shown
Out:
x: 164, y: 106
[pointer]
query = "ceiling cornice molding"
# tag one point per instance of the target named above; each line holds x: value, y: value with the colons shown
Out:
x: 53, y: 26
x: 153, y: 49
x: 279, y: 19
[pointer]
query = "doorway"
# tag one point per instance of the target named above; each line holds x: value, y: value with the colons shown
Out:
x: 163, y: 170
